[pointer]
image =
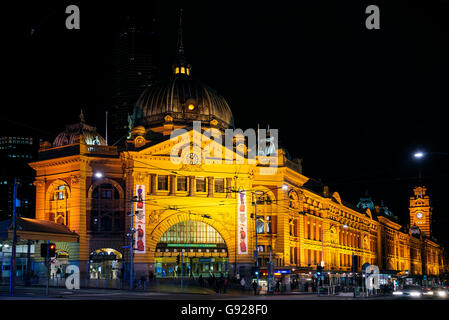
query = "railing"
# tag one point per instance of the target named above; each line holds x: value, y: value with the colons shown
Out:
x: 105, y: 150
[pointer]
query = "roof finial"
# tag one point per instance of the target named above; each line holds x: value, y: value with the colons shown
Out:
x: 81, y: 116
x: 180, y: 40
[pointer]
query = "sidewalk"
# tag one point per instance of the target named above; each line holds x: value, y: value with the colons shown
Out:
x: 55, y: 291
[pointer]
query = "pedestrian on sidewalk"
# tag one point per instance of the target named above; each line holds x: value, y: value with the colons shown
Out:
x: 225, y: 284
x: 242, y: 284
x: 278, y: 286
x: 255, y: 286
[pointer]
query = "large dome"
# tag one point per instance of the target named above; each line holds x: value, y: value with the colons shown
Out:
x: 185, y: 100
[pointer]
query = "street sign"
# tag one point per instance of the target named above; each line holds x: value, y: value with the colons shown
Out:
x: 126, y: 247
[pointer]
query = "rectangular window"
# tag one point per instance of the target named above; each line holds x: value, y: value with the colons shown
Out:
x: 201, y: 184
x: 162, y: 182
x: 268, y: 224
x: 106, y: 194
x: 219, y: 185
x: 308, y: 230
x: 182, y: 183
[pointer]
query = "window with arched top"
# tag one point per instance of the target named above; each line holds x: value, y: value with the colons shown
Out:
x: 293, y: 200
x: 59, y: 205
x: 107, y: 212
x: 191, y: 232
x: 266, y: 221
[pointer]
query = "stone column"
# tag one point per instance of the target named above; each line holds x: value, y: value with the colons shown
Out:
x: 191, y: 186
x: 210, y: 186
x: 153, y: 184
x: 228, y: 187
x: 172, y: 185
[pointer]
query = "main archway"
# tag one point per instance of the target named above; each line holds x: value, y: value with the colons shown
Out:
x: 204, y: 251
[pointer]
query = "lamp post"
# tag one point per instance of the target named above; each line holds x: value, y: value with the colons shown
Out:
x: 322, y: 262
x: 421, y: 154
x: 131, y: 244
x: 12, y: 269
x: 256, y: 252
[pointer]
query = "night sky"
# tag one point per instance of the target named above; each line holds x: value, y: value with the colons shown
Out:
x: 353, y: 103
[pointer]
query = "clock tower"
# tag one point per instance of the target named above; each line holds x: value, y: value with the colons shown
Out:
x: 420, y: 210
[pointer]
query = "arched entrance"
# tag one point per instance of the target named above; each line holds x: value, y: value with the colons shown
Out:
x: 204, y: 251
x: 105, y: 263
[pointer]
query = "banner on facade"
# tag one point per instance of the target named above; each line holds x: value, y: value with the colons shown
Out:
x: 139, y: 220
x: 242, y: 224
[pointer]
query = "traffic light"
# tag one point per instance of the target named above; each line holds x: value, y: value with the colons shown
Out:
x: 51, y: 250
x: 256, y: 271
x: 177, y: 259
x: 319, y: 269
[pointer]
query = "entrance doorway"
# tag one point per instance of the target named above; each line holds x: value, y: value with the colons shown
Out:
x: 105, y: 263
x: 203, y: 249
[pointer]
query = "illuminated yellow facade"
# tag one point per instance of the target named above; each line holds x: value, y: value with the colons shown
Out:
x: 191, y: 201
x: 302, y: 226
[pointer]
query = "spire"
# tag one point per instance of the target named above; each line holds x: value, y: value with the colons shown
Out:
x: 180, y: 40
x: 180, y: 66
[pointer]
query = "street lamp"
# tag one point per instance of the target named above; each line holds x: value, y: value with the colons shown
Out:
x: 421, y: 154
x: 418, y: 155
x: 322, y: 262
x: 131, y: 245
x: 256, y: 251
x: 98, y: 175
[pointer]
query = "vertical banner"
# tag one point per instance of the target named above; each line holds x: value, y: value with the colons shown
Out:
x: 139, y: 220
x: 242, y: 224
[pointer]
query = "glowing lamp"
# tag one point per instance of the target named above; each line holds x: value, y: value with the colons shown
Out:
x: 98, y: 175
x: 418, y: 155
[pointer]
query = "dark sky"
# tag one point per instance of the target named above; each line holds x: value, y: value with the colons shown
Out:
x: 353, y: 103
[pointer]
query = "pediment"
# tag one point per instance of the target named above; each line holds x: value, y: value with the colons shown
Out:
x: 207, y: 149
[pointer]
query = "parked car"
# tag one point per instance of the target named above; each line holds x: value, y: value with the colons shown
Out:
x: 409, y: 290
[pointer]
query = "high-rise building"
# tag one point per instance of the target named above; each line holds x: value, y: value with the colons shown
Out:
x: 15, y: 153
x: 133, y: 71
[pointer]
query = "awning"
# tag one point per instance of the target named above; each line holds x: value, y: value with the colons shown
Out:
x: 34, y: 229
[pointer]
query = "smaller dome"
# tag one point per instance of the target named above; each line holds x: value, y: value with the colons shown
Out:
x: 74, y: 132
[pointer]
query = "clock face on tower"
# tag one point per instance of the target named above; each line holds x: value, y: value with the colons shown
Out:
x: 419, y: 215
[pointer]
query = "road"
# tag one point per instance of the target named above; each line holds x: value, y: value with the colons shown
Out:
x: 32, y: 293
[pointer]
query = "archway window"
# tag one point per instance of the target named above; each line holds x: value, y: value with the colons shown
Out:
x: 266, y: 221
x: 191, y: 232
x: 59, y: 204
x: 106, y: 214
x: 293, y: 200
